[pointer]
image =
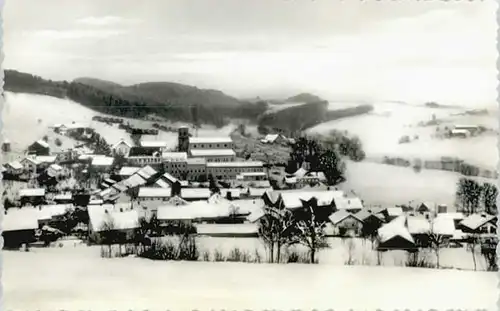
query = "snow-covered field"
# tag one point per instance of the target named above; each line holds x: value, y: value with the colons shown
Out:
x: 76, y: 278
x: 381, y: 130
x: 387, y: 184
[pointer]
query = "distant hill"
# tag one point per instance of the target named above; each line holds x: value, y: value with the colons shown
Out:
x: 304, y: 98
x: 173, y: 101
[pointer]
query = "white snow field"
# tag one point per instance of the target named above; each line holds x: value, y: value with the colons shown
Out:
x: 76, y: 278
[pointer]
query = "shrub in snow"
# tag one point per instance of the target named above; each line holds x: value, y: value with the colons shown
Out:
x: 218, y: 256
x: 419, y: 260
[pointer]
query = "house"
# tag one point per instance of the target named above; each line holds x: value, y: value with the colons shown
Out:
x: 147, y: 172
x: 352, y: 205
x: 455, y: 217
x: 193, y: 194
x: 33, y: 196
x: 371, y: 220
x: 121, y: 147
x: 479, y: 224
x: 472, y: 129
x: 54, y: 170
x: 30, y: 164
x: 210, y: 143
x: 14, y: 168
x: 346, y: 223
x: 50, y: 213
x: 391, y: 213
x: 63, y: 198
x: 102, y: 163
x: 214, y: 155
x: 19, y: 226
x: 109, y: 220
x: 230, y: 194
x: 151, y: 194
x: 45, y: 161
x: 310, y: 178
x: 39, y: 147
x: 395, y: 236
x: 140, y: 156
x: 274, y: 139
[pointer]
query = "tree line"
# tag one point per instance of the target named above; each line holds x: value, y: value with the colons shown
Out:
x: 472, y: 196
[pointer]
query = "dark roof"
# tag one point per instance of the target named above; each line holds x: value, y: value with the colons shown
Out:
x: 142, y: 151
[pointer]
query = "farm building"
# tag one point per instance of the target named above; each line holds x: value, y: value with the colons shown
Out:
x: 51, y: 213
x: 39, y: 147
x: 479, y: 223
x: 19, y: 226
x: 121, y: 148
x: 54, y: 170
x: 110, y: 222
x: 30, y: 164
x: 395, y: 236
x: 346, y: 223
x: 14, y: 168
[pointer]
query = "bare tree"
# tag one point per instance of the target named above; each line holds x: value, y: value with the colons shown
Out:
x: 309, y: 231
x: 108, y: 234
x: 274, y: 230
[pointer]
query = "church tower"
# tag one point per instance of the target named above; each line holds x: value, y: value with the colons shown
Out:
x: 183, y: 139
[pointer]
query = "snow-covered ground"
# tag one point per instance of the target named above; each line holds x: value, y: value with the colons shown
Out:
x: 387, y: 184
x: 22, y: 113
x: 381, y: 130
x: 76, y: 278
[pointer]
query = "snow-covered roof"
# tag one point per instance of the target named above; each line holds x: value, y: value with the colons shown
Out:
x: 121, y: 142
x: 394, y: 211
x: 46, y: 159
x: 365, y: 214
x: 128, y: 170
x: 174, y: 213
x: 15, y: 165
x: 248, y: 205
x: 174, y: 156
x: 162, y: 184
x: 102, y: 161
x: 101, y: 214
x: 176, y: 201
x: 395, y: 228
x: 30, y: 159
x: 271, y: 137
x: 443, y: 226
x: 418, y: 225
x: 146, y: 172
x: 256, y: 215
x: 63, y: 196
x: 32, y: 192
x: 339, y: 216
x: 195, y: 193
x: 196, y: 161
x: 290, y: 180
x: 454, y: 216
x: 153, y: 144
x: 42, y: 143
x: 134, y: 181
x: 20, y: 219
x: 208, y: 140
x: 348, y: 203
x: 150, y: 192
x: 476, y: 221
x: 212, y: 152
x: 310, y: 175
x: 460, y: 131
x: 96, y: 202
x: 236, y: 164
x: 293, y: 199
x: 171, y: 179
x: 49, y: 211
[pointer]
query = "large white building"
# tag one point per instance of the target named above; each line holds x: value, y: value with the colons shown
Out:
x: 214, y: 155
x: 229, y: 170
x: 210, y: 143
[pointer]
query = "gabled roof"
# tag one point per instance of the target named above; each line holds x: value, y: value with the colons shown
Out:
x: 171, y: 179
x: 293, y: 199
x: 128, y: 170
x: 146, y: 172
x: 418, y: 225
x: 348, y: 203
x: 100, y: 214
x: 475, y: 221
x: 30, y: 159
x: 102, y: 161
x: 301, y: 172
x: 20, y: 219
x: 46, y: 159
x: 15, y: 165
x: 42, y: 143
x: 340, y: 215
x: 120, y: 142
x: 365, y: 213
x: 393, y: 229
x: 443, y: 226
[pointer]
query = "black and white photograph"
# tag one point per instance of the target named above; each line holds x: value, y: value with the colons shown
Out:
x: 249, y: 155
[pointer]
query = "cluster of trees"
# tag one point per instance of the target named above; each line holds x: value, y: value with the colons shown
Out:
x: 325, y: 156
x: 473, y: 196
x: 281, y: 228
x: 347, y: 145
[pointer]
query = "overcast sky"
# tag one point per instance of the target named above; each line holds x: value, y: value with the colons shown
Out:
x: 371, y: 50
